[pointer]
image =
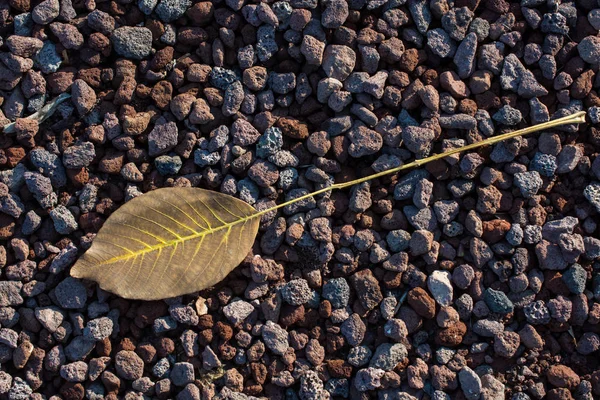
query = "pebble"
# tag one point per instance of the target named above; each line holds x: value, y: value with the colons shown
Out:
x: 132, y: 42
x: 529, y: 183
x: 353, y: 330
x: 367, y: 289
x: 71, y: 293
x: 506, y: 343
x: 418, y: 140
x: 20, y: 390
x: 5, y: 382
x: 507, y: 115
x: 237, y: 311
x: 337, y: 292
x: 182, y: 373
x: 51, y: 318
x: 335, y: 14
x: 45, y: 12
x: 102, y: 22
x: 498, y: 301
x: 537, y: 313
x: 387, y: 355
x: 589, y: 49
x: 588, y: 343
x: 170, y: 10
x: 296, y: 292
x: 562, y: 376
x: 162, y: 138
x: 98, y: 329
x: 368, y: 379
x: 470, y: 383
x: 440, y: 43
x: 275, y: 338
x: 440, y: 287
x: 129, y: 365
x: 78, y: 156
x: 575, y: 278
x: 74, y: 372
x: 338, y: 61
x: 8, y: 337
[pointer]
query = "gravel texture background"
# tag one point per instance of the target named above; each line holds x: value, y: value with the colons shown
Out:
x: 475, y: 277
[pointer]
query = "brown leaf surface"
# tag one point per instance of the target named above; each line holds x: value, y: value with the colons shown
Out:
x: 169, y: 242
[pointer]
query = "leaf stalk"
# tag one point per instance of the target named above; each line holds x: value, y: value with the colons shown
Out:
x: 575, y: 118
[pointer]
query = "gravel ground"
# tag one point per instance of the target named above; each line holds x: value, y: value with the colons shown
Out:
x: 475, y: 277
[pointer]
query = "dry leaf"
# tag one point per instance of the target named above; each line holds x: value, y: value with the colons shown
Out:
x: 175, y: 241
x: 169, y: 242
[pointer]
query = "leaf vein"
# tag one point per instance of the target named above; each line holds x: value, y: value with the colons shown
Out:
x: 155, y: 223
x: 186, y: 214
x: 212, y: 212
x: 173, y: 219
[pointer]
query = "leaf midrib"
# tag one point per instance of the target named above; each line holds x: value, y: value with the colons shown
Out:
x: 175, y: 242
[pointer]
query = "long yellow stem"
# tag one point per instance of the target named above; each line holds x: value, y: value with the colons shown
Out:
x: 576, y: 118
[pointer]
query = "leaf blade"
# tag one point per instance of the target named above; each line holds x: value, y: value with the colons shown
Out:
x: 169, y: 242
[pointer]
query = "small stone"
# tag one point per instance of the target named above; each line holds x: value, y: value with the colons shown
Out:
x: 507, y: 115
x: 388, y: 355
x: 129, y: 365
x: 243, y: 133
x: 562, y: 376
x: 337, y: 292
x: 338, y: 61
x: 23, y: 46
x: 497, y: 301
x: 589, y: 49
x: 440, y: 287
x: 465, y: 56
x: 367, y: 289
x: 296, y: 292
x: 440, y: 43
x: 83, y: 96
x: 368, y: 379
x: 335, y: 14
x: 51, y: 318
x: 588, y: 343
x: 5, y: 382
x: 162, y: 138
x: 529, y: 183
x: 418, y: 140
x: 238, y: 311
x: 170, y: 10
x: 79, y: 156
x: 45, y: 12
x: 71, y: 293
x: 182, y: 374
x: 132, y: 42
x: 20, y: 390
x: 354, y: 330
x: 537, y: 313
x: 506, y: 343
x: 311, y: 386
x: 275, y: 338
x: 98, y: 329
x: 592, y: 193
x: 68, y: 35
x: 64, y: 221
x: 8, y: 337
x: 545, y: 164
x: 10, y: 293
x: 421, y: 302
x: 470, y: 383
x: 74, y: 372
